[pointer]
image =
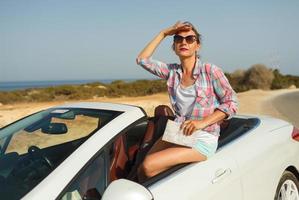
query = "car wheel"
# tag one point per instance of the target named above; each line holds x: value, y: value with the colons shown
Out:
x: 288, y: 187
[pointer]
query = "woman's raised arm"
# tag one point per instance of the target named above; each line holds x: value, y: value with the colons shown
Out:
x: 152, y: 45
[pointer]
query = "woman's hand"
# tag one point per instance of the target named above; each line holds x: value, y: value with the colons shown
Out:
x: 150, y: 47
x: 179, y: 26
x: 189, y: 126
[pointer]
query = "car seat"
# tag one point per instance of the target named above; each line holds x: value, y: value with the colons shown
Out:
x: 119, y: 159
x: 154, y: 131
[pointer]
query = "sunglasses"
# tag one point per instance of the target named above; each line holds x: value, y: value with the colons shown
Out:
x: 189, y: 39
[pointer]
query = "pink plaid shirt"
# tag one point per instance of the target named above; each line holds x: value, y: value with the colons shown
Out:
x: 212, y: 88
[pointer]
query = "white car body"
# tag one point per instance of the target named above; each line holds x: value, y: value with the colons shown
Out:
x: 249, y: 167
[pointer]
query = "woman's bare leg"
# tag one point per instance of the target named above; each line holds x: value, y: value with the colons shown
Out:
x: 164, y: 155
x: 160, y: 145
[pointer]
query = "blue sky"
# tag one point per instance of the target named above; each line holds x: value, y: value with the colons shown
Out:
x: 72, y: 39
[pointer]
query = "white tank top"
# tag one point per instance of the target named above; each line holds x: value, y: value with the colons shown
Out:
x: 185, y: 99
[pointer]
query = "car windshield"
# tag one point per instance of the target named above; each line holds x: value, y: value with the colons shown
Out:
x: 33, y: 147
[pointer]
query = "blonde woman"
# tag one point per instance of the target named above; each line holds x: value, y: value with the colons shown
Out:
x: 200, y: 95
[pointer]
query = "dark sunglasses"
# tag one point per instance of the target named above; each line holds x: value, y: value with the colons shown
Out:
x: 189, y: 39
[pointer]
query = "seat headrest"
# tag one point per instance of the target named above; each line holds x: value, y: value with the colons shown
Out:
x: 163, y: 110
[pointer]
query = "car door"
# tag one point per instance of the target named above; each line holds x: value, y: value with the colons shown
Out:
x: 213, y: 179
x: 263, y: 165
x: 109, y: 164
x: 90, y: 183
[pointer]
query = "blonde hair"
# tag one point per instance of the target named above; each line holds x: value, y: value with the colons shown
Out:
x: 197, y: 34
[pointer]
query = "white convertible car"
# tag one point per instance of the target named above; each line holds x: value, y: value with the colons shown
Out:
x: 92, y: 151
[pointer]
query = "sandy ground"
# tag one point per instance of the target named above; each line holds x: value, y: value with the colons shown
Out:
x: 251, y: 102
x: 288, y: 104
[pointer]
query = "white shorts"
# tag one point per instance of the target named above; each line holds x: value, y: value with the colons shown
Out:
x: 206, y: 144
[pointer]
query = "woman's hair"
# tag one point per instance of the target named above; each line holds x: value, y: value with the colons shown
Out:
x: 197, y: 34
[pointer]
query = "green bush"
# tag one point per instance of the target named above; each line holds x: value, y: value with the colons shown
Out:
x: 236, y: 80
x: 85, y: 91
x: 258, y: 77
x: 280, y: 81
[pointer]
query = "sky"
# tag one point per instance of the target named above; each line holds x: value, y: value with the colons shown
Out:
x: 42, y: 40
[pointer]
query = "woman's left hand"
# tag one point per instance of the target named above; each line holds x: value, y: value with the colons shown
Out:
x: 189, y: 126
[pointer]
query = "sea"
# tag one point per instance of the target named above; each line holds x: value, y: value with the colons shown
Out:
x: 22, y: 85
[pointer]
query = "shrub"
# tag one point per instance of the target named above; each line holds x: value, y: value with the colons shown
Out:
x: 136, y: 88
x: 280, y: 81
x: 236, y: 80
x: 15, y: 96
x: 258, y: 77
x: 293, y: 80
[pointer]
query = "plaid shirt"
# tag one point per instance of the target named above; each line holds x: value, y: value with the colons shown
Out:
x: 213, y: 90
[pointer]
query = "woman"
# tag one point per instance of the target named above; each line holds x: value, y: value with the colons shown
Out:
x: 200, y: 94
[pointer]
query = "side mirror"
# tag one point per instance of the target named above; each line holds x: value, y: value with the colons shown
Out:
x: 123, y: 189
x: 55, y: 128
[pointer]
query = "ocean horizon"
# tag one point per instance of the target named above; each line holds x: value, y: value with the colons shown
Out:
x: 22, y: 85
